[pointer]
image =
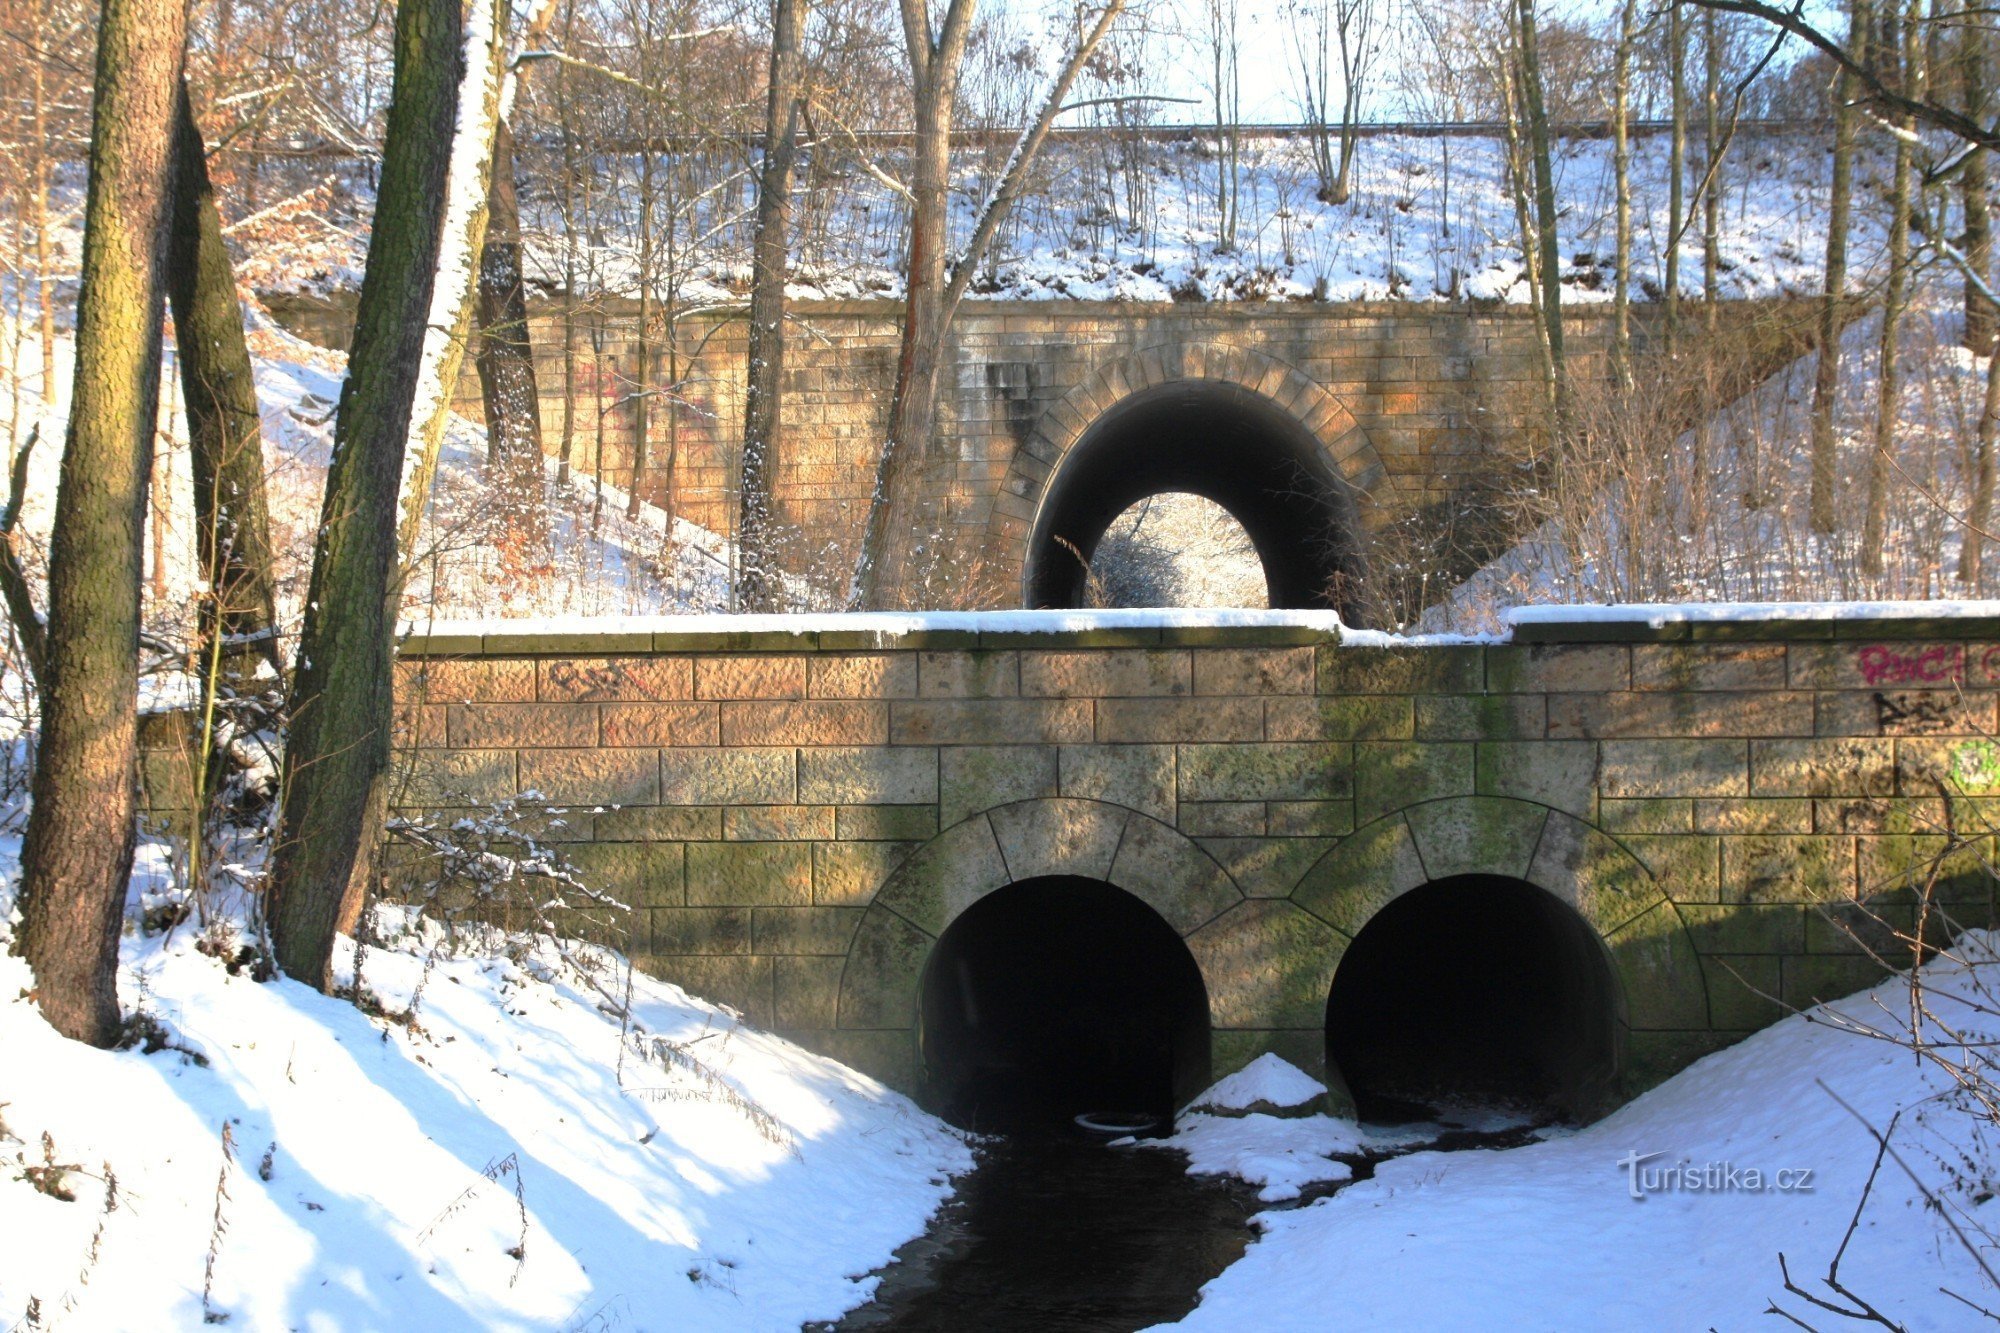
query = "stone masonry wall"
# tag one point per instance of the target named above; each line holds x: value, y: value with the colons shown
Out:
x: 1448, y: 396
x: 797, y: 816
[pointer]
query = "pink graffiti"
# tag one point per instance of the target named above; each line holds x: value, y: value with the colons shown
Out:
x: 1941, y: 663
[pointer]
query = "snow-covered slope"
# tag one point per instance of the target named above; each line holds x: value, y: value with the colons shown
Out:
x: 1549, y: 1236
x: 504, y: 1157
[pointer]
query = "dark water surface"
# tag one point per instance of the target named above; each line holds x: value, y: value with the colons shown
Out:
x: 1062, y: 1232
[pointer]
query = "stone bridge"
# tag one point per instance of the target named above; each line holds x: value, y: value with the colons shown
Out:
x: 1601, y: 849
x: 1320, y: 426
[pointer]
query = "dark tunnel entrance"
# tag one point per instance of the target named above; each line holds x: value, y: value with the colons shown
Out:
x: 1226, y: 444
x: 1057, y: 997
x: 1476, y: 991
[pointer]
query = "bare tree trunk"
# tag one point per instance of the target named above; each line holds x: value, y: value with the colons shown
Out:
x: 45, y: 284
x: 1711, y: 194
x: 225, y: 436
x: 1537, y: 116
x: 758, y: 583
x: 77, y: 855
x: 1621, y: 165
x: 1676, y: 168
x: 506, y: 358
x: 1826, y: 374
x: 1982, y: 317
x: 642, y: 372
x: 932, y: 297
x: 338, y: 751
x: 1895, y: 297
x: 1971, y: 551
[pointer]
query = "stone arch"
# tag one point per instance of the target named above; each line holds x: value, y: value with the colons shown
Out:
x: 1034, y: 839
x: 1237, y: 379
x: 1644, y: 940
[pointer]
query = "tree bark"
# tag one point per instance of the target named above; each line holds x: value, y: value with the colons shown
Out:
x: 338, y: 750
x: 1676, y: 168
x: 1972, y: 550
x: 1982, y: 317
x: 758, y: 581
x: 1826, y: 373
x: 1711, y: 194
x: 506, y: 358
x: 1550, y: 244
x: 1895, y: 296
x: 933, y: 295
x: 1621, y: 165
x: 77, y: 855
x: 232, y: 516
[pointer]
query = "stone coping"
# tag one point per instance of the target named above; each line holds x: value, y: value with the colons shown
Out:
x: 1770, y: 621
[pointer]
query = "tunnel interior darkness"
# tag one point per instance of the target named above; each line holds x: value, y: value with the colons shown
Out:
x: 1477, y: 990
x: 1060, y: 996
x: 1227, y: 444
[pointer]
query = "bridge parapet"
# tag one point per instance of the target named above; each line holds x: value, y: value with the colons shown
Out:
x: 799, y: 808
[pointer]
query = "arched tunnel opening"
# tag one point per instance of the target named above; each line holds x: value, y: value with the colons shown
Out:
x: 1224, y: 443
x: 1058, y: 997
x: 1476, y: 991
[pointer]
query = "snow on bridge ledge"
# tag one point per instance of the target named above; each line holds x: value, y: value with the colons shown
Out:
x: 1647, y: 622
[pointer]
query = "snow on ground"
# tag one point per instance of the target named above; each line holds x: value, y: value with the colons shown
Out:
x: 504, y: 1158
x: 1269, y: 1080
x: 1428, y: 219
x: 1550, y: 1236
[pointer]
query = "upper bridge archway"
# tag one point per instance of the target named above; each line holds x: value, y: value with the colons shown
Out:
x: 1246, y: 430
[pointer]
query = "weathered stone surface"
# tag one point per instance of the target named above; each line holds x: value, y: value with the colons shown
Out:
x: 1660, y: 974
x: 885, y: 964
x: 1476, y: 836
x: 1390, y: 776
x: 727, y: 776
x: 1823, y: 768
x: 657, y: 724
x: 1541, y: 669
x: 591, y: 777
x: 847, y: 874
x: 1165, y: 720
x: 699, y: 930
x: 806, y: 722
x: 1966, y: 765
x: 1362, y: 875
x: 990, y: 722
x: 1294, y: 819
x: 658, y: 823
x: 1139, y: 777
x: 777, y: 823
x: 868, y: 775
x: 975, y: 778
x: 886, y: 823
x: 1254, y: 671
x: 1904, y: 713
x: 1638, y: 713
x: 750, y: 677
x: 1348, y: 670
x: 485, y: 680
x: 444, y: 777
x: 1058, y: 837
x: 1295, y: 771
x: 1266, y: 963
x: 520, y: 726
x: 863, y: 676
x: 1674, y: 768
x: 1267, y: 867
x: 749, y: 874
x: 969, y: 675
x: 1479, y: 717
x: 1777, y: 815
x: 1558, y: 773
x: 1351, y: 717
x: 1744, y: 666
x: 1647, y: 814
x: 1774, y: 868
x: 803, y: 930
x: 1222, y: 819
x: 1097, y: 675
x: 807, y: 991
x: 638, y: 874
x: 1593, y: 873
x: 1172, y: 875
x: 617, y: 679
x: 1743, y: 990
x: 948, y: 874
x: 741, y: 982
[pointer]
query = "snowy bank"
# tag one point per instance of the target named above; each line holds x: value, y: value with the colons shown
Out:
x: 1648, y: 1218
x: 502, y: 1155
